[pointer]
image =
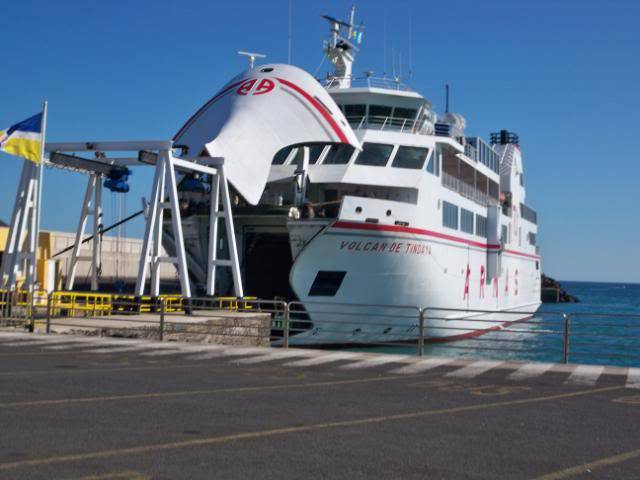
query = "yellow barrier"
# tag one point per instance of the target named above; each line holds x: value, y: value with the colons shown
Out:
x: 234, y: 303
x: 73, y: 302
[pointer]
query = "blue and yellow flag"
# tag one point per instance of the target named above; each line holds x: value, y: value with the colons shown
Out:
x: 23, y: 139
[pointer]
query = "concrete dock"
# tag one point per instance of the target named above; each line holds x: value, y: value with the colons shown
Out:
x: 103, y: 408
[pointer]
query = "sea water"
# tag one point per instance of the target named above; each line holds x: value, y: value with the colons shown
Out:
x: 604, y: 329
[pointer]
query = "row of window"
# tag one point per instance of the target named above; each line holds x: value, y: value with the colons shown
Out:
x: 372, y: 155
x: 464, y: 220
x: 377, y: 113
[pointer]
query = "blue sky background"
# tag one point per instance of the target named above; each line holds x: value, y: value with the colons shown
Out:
x: 563, y: 74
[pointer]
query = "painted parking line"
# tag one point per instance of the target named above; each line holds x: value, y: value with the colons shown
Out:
x: 633, y: 378
x: 531, y: 370
x: 586, y: 375
x: 328, y: 358
x: 376, y: 361
x: 204, y: 392
x: 588, y: 467
x: 423, y: 366
x: 285, y: 430
x: 474, y: 369
x: 82, y: 344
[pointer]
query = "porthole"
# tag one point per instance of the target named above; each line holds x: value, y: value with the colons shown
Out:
x: 358, y: 209
x: 388, y: 213
x: 266, y: 69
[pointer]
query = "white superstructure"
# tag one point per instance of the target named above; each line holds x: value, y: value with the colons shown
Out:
x: 360, y: 193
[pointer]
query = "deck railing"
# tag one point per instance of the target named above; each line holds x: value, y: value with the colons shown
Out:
x: 467, y: 190
x: 556, y: 335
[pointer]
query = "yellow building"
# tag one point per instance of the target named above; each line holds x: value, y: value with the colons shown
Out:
x: 120, y: 258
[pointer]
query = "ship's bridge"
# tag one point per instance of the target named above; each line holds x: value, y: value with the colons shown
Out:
x: 382, y: 104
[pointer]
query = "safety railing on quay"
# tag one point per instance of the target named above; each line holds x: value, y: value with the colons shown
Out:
x: 542, y: 335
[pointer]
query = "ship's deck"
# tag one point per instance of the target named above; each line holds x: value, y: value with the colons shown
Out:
x: 76, y: 407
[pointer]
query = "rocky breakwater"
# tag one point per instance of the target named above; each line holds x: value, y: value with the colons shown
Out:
x: 553, y: 292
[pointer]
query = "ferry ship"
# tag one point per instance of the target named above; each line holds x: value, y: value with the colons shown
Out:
x: 354, y: 190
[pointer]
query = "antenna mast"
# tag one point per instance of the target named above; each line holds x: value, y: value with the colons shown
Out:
x: 252, y: 57
x: 342, y: 47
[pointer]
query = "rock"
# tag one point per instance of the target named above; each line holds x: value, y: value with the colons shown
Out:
x: 553, y: 292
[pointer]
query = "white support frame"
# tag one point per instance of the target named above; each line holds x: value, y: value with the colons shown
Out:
x: 92, y: 205
x: 23, y: 230
x: 165, y: 187
x: 25, y: 217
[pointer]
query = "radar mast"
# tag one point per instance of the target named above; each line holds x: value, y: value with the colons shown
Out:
x: 342, y: 46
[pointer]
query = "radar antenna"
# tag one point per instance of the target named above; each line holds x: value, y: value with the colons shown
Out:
x: 252, y: 57
x: 341, y: 47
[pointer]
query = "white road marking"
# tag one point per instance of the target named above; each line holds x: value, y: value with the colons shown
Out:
x: 177, y: 348
x: 328, y: 358
x: 226, y: 351
x: 375, y: 361
x: 633, y: 378
x: 586, y: 375
x: 423, y: 365
x: 81, y: 344
x: 277, y: 355
x: 474, y: 369
x: 530, y: 370
x: 51, y: 340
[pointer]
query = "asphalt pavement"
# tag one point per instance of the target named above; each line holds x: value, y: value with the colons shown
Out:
x: 115, y: 409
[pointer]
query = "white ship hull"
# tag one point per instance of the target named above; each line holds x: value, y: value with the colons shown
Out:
x: 398, y: 266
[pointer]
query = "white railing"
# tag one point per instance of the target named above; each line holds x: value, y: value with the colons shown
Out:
x: 380, y: 122
x: 369, y: 82
x: 467, y: 190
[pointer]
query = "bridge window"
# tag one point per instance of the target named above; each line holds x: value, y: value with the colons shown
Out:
x: 410, y: 157
x: 466, y: 221
x: 409, y: 113
x: 281, y: 157
x: 379, y: 113
x: 449, y: 215
x: 532, y: 238
x: 338, y: 154
x: 355, y: 113
x: 374, y: 154
x: 326, y: 283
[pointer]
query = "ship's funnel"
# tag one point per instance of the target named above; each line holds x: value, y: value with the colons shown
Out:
x: 258, y: 113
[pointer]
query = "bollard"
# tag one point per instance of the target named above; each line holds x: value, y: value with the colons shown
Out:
x: 421, y: 333
x: 48, y: 324
x: 285, y: 326
x: 30, y: 311
x: 565, y: 338
x: 161, y: 327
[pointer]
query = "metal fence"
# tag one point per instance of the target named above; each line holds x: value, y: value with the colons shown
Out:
x: 544, y: 335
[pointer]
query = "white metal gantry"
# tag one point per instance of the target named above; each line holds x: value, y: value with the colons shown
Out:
x: 22, y: 243
x: 92, y: 205
x: 164, y: 196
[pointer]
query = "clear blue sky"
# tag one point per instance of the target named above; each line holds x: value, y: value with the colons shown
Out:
x: 563, y: 74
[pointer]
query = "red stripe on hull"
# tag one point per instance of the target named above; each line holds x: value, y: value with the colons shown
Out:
x: 204, y: 107
x: 415, y: 231
x: 427, y: 233
x: 475, y: 333
x: 326, y: 115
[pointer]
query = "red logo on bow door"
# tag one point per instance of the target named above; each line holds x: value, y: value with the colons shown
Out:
x: 482, y: 280
x: 254, y: 87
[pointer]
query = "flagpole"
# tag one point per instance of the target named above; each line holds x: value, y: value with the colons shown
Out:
x: 40, y: 178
